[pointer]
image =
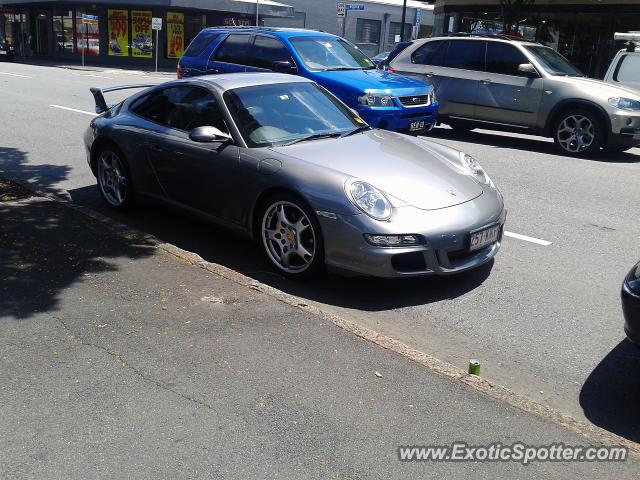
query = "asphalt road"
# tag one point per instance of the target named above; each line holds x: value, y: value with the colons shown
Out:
x: 118, y: 360
x: 544, y: 320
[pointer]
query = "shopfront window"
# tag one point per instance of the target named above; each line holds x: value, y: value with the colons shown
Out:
x: 63, y: 30
x: 87, y: 34
x: 175, y: 34
x: 118, y: 25
x: 192, y: 26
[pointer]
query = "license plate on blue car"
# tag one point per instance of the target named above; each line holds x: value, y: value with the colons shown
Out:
x: 484, y: 237
x: 417, y: 125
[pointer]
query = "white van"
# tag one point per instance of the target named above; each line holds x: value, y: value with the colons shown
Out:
x: 625, y: 66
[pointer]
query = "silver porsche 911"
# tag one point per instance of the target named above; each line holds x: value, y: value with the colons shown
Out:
x: 280, y: 159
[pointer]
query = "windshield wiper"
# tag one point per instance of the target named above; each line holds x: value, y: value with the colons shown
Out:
x: 315, y: 136
x: 363, y: 128
x: 337, y: 69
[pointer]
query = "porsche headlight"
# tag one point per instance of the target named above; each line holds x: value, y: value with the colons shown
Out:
x: 369, y: 199
x: 375, y: 100
x: 624, y: 103
x: 474, y: 169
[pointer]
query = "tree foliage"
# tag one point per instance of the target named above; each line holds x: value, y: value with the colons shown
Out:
x: 511, y: 12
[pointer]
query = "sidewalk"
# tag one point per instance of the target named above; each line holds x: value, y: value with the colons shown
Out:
x: 119, y: 361
x: 91, y: 67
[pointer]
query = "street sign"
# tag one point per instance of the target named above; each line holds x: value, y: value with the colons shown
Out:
x: 156, y: 23
x: 418, y: 17
x: 89, y: 19
x: 396, y: 39
x: 354, y: 6
x: 341, y: 10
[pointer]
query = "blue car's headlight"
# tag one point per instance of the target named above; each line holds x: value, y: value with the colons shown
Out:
x: 375, y: 100
x: 624, y: 103
x: 369, y: 199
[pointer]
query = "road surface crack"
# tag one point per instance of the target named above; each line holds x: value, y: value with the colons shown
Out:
x: 120, y: 359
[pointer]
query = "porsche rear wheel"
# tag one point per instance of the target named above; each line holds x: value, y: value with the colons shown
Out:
x: 114, y: 180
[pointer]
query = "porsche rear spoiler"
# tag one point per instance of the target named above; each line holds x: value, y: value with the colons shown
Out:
x: 98, y: 94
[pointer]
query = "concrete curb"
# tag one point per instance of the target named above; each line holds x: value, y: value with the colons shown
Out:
x: 431, y: 363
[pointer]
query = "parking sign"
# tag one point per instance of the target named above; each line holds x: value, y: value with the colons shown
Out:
x: 156, y: 23
x: 341, y: 9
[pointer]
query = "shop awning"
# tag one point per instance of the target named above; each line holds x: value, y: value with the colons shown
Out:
x: 267, y: 8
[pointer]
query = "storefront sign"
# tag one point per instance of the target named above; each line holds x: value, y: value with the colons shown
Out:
x: 118, y: 23
x: 141, y: 34
x: 89, y: 19
x: 355, y: 6
x: 418, y: 17
x: 175, y: 34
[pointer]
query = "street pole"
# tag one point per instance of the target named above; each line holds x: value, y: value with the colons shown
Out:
x: 404, y: 16
x: 344, y: 24
x: 86, y: 41
x: 257, y: 10
x: 156, y: 50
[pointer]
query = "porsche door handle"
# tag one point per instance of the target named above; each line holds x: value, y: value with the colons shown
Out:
x: 486, y: 81
x: 155, y: 148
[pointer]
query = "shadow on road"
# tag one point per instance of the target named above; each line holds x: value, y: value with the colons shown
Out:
x: 13, y: 165
x: 609, y: 397
x: 44, y: 246
x: 239, y: 254
x: 540, y: 145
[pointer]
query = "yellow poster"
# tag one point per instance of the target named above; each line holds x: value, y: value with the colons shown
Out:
x: 141, y: 34
x: 175, y: 34
x: 118, y: 22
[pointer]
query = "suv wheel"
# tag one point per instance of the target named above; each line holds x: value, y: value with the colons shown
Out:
x: 461, y: 127
x: 579, y: 132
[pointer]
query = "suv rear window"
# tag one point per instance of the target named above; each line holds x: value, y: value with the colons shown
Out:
x: 267, y: 51
x: 426, y: 53
x: 234, y: 49
x: 504, y: 58
x: 465, y: 54
x: 199, y: 43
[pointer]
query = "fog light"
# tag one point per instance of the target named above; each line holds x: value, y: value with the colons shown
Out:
x: 393, y: 240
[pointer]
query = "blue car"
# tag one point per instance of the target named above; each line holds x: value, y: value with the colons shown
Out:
x: 383, y: 99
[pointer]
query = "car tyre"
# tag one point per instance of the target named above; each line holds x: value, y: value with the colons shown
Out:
x: 290, y: 236
x: 579, y: 132
x: 461, y: 127
x: 114, y: 178
x: 617, y: 148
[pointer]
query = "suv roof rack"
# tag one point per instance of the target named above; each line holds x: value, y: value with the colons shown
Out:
x: 253, y: 27
x: 500, y: 36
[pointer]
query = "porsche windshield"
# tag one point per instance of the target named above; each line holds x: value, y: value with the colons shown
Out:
x: 284, y: 113
x: 323, y: 53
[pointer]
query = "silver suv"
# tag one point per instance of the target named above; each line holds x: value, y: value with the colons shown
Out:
x: 504, y: 84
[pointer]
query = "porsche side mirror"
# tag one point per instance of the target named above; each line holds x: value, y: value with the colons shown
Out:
x: 285, y: 67
x: 208, y: 135
x: 528, y: 70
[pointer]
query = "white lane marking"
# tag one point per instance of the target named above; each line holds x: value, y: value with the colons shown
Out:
x: 92, y: 75
x: 74, y: 110
x: 15, y: 75
x: 527, y: 239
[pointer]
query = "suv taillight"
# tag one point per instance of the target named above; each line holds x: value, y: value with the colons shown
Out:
x: 179, y: 71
